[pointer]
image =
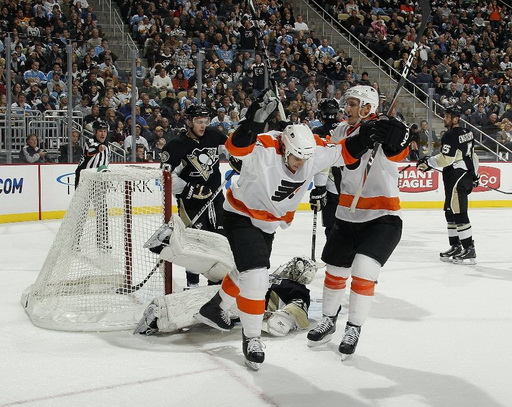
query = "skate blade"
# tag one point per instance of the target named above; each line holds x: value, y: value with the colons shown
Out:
x: 312, y: 344
x: 211, y: 324
x: 465, y: 262
x: 447, y: 259
x: 252, y: 365
x: 345, y: 356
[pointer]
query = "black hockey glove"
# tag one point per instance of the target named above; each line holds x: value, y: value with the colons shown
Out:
x: 196, y: 191
x: 236, y: 164
x: 263, y: 108
x: 476, y: 180
x: 423, y: 164
x: 392, y: 133
x: 318, y: 198
x: 359, y: 144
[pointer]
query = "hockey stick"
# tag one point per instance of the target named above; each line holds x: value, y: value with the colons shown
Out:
x: 318, y: 264
x: 313, y: 237
x: 263, y: 46
x: 405, y: 168
x: 425, y: 12
x: 133, y: 288
x: 484, y: 186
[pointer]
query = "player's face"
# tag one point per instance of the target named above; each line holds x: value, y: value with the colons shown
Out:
x: 447, y: 119
x: 199, y: 125
x: 352, y: 111
x: 101, y: 135
x: 295, y: 163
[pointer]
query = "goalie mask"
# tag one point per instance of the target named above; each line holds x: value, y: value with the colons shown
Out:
x: 365, y: 94
x: 298, y: 140
x: 299, y: 269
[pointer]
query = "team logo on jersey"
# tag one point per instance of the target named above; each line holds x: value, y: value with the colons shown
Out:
x: 287, y: 189
x: 164, y: 156
x: 203, y: 161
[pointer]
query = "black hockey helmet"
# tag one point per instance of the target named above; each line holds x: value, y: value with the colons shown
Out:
x: 453, y: 111
x: 328, y: 109
x: 196, y: 111
x: 99, y: 124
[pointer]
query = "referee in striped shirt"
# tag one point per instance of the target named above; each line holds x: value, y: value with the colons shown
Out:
x: 97, y: 150
x: 96, y: 154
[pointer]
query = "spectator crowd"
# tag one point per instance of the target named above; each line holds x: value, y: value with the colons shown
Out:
x: 465, y: 56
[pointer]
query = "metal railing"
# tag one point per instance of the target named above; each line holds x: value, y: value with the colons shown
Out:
x: 118, y: 29
x: 359, y: 51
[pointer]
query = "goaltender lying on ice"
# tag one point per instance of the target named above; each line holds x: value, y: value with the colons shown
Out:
x: 208, y: 253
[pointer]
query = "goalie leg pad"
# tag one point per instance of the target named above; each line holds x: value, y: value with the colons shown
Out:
x: 176, y: 311
x: 199, y: 251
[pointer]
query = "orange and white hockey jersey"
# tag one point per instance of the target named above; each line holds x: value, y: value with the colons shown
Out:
x: 380, y: 193
x: 267, y: 191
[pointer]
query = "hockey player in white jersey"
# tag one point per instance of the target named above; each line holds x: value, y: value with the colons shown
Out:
x: 276, y: 172
x: 361, y: 242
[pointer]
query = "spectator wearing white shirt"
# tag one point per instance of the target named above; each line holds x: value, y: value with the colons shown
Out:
x: 300, y: 25
x: 138, y: 139
x: 162, y: 81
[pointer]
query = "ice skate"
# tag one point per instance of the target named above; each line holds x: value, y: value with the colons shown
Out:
x: 213, y: 315
x: 467, y: 256
x: 253, y: 352
x: 322, y: 333
x: 349, y: 342
x: 148, y: 324
x: 448, y: 255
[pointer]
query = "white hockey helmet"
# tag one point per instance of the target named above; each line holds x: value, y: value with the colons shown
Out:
x: 298, y: 140
x: 365, y: 94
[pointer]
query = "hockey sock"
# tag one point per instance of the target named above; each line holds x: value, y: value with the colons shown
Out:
x: 251, y: 300
x: 335, y: 283
x: 365, y: 272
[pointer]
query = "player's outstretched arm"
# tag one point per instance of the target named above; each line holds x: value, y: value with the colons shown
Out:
x: 258, y: 114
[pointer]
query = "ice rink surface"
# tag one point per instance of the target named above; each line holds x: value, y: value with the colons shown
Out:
x: 439, y: 335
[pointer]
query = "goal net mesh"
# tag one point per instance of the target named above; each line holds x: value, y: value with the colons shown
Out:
x: 98, y: 254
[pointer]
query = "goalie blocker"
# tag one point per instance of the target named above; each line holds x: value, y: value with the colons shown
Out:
x: 287, y: 303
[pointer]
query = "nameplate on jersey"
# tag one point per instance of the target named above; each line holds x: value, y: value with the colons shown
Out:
x: 464, y: 138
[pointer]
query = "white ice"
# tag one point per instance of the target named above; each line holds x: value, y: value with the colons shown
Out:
x: 438, y: 335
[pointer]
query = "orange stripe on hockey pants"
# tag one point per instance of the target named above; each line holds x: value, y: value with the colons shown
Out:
x: 229, y: 287
x: 363, y: 287
x: 334, y: 282
x: 252, y: 307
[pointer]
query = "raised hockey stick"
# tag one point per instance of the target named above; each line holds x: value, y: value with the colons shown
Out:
x: 263, y: 46
x: 425, y: 13
x: 136, y: 287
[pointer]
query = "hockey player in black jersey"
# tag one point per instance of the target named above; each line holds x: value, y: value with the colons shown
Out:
x: 325, y: 198
x: 460, y: 174
x: 193, y: 158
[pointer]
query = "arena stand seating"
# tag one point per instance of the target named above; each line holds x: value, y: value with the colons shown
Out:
x: 467, y: 47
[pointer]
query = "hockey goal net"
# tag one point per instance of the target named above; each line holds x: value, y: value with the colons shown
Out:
x: 86, y: 282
